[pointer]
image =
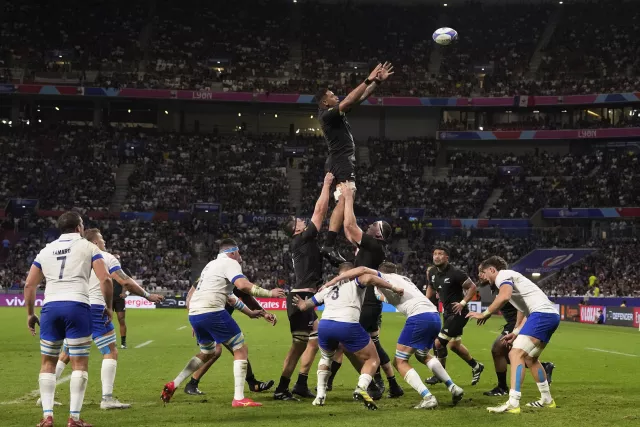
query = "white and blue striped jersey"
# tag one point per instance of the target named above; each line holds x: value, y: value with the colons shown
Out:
x: 95, y: 293
x: 215, y: 285
x: 342, y: 302
x: 527, y: 297
x: 412, y: 302
x: 66, y: 265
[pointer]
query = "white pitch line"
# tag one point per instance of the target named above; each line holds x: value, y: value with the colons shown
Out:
x: 612, y: 352
x: 180, y: 328
x: 144, y: 343
x: 34, y: 393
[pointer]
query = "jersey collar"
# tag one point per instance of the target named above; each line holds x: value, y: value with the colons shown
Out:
x: 70, y: 236
x: 222, y: 256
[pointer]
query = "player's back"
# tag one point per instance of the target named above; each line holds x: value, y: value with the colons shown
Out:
x: 412, y: 301
x: 66, y: 265
x: 95, y: 292
x: 342, y: 302
x: 213, y: 286
x: 337, y: 132
x: 527, y: 296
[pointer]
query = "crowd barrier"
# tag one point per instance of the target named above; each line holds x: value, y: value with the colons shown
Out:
x: 612, y: 315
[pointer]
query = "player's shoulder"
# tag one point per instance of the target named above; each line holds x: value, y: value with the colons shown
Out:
x: 507, y: 276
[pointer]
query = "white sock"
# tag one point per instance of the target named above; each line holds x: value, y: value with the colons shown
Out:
x: 239, y: 376
x: 440, y: 373
x: 108, y: 376
x: 47, y: 391
x: 514, y: 398
x: 323, y: 379
x: 193, y: 365
x: 415, y: 381
x: 60, y: 369
x: 364, y: 381
x: 78, y: 386
x: 545, y: 393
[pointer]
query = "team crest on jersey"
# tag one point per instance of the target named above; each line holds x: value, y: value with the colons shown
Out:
x: 433, y: 278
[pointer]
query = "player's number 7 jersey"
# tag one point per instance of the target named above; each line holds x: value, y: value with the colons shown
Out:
x: 66, y: 265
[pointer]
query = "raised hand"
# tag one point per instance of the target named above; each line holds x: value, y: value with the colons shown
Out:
x: 328, y: 179
x: 385, y: 71
x: 277, y: 293
x: 375, y: 72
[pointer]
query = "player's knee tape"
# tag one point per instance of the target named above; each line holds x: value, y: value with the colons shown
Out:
x: 236, y: 342
x: 525, y: 344
x: 326, y: 358
x: 421, y: 356
x: 103, y: 343
x: 300, y: 337
x: 50, y: 348
x: 384, y: 357
x: 79, y: 350
x: 208, y: 347
x: 402, y: 355
x: 442, y: 352
x: 313, y: 336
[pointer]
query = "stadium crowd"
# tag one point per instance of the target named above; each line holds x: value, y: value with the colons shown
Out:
x: 163, y: 45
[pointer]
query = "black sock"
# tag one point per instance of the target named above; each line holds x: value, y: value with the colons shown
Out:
x: 250, y: 377
x: 502, y: 380
x: 302, y: 380
x: 335, y: 367
x: 283, y: 385
x: 377, y: 377
x: 472, y: 363
x: 123, y: 340
x: 194, y: 382
x: 392, y: 381
x: 331, y: 238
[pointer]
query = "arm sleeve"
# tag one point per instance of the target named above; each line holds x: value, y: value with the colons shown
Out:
x: 309, y: 233
x: 96, y: 253
x: 318, y: 299
x: 233, y: 271
x: 504, y: 278
x: 113, y: 264
x: 38, y: 260
x: 461, y: 276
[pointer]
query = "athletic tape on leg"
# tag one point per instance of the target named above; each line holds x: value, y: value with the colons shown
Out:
x: 236, y: 342
x: 301, y: 337
x: 103, y: 343
x: 50, y: 348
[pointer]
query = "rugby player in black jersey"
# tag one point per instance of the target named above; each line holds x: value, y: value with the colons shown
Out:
x: 342, y: 150
x: 455, y: 289
x: 307, y: 265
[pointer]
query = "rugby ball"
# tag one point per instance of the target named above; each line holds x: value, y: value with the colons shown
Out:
x: 445, y: 36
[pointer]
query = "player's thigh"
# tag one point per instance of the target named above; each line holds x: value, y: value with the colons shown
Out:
x: 453, y: 327
x: 301, y: 323
x: 370, y: 319
x: 420, y: 331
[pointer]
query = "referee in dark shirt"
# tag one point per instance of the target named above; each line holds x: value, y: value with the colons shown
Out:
x: 307, y: 266
x: 342, y: 149
x: 371, y: 253
x: 455, y: 289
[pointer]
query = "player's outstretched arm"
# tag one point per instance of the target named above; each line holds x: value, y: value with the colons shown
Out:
x: 501, y: 299
x: 132, y: 286
x: 246, y: 286
x: 322, y: 205
x: 348, y: 275
x: 305, y: 304
x: 378, y: 282
x: 385, y: 72
x: 239, y: 305
x: 34, y: 278
x: 352, y: 231
x: 470, y: 289
x: 354, y: 96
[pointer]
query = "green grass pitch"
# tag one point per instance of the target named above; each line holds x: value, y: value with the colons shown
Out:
x: 596, y: 381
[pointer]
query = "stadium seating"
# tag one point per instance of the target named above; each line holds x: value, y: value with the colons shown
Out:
x: 280, y: 46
